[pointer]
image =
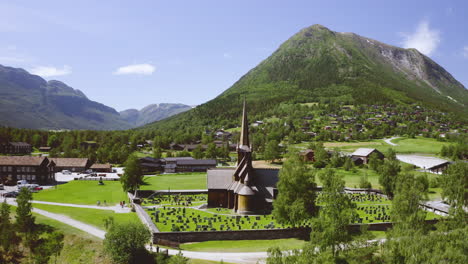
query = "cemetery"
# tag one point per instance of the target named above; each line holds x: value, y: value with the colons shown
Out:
x: 187, y: 213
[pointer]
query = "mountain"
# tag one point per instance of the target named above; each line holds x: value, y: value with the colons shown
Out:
x: 28, y: 101
x: 320, y: 65
x: 152, y: 113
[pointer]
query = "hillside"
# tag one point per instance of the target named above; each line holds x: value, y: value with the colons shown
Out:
x: 320, y: 65
x: 152, y: 113
x: 28, y: 101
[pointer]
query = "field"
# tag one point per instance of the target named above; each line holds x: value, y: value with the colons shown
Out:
x: 352, y: 179
x: 244, y: 245
x: 179, y: 181
x: 83, y: 192
x: 404, y: 145
x: 94, y: 217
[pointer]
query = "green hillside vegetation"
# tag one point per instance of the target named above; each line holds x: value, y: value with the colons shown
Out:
x: 319, y: 65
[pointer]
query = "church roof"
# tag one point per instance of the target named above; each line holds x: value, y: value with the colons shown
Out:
x: 219, y: 178
x: 246, y: 191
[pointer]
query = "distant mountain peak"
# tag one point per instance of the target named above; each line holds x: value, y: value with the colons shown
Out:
x: 152, y: 113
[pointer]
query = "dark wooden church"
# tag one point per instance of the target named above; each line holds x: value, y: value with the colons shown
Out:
x: 245, y: 189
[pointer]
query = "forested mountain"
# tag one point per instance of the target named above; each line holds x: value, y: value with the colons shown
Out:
x: 320, y: 65
x: 28, y: 101
x: 152, y: 112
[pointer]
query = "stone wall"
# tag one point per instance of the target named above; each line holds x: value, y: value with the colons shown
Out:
x: 184, y: 237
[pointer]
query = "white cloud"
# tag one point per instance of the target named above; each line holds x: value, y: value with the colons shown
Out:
x: 465, y: 51
x: 423, y: 39
x: 49, y: 71
x: 227, y: 55
x: 144, y: 69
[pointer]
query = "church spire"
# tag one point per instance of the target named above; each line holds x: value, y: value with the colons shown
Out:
x: 244, y: 137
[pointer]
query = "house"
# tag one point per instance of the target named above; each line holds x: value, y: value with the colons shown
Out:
x: 89, y: 144
x: 185, y: 164
x: 32, y: 169
x: 364, y: 154
x: 71, y: 164
x: 357, y: 161
x: 16, y: 148
x: 151, y: 165
x: 308, y: 155
x: 45, y: 149
x: 244, y: 189
x: 439, y: 167
x: 98, y: 167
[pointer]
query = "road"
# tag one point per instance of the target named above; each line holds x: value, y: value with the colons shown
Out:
x: 389, y: 141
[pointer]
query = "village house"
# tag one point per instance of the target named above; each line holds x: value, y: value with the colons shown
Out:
x: 98, y: 167
x: 71, y: 164
x: 16, y: 148
x: 308, y: 155
x: 32, y: 169
x: 365, y: 153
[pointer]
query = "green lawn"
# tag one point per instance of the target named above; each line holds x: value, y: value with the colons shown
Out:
x: 243, y: 245
x: 83, y: 192
x: 352, y: 179
x: 418, y: 145
x: 179, y: 181
x: 94, y: 217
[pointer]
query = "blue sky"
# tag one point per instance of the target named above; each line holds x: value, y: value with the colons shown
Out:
x: 128, y: 54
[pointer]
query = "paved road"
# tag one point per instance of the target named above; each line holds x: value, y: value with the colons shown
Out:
x: 389, y: 141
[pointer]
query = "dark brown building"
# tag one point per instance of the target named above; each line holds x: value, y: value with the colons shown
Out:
x: 98, y: 167
x: 32, y: 169
x: 16, y: 148
x: 245, y: 189
x: 308, y: 155
x: 71, y: 164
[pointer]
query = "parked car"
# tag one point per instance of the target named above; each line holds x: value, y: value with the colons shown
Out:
x: 66, y: 172
x: 11, y: 194
x: 2, y: 187
x: 37, y: 188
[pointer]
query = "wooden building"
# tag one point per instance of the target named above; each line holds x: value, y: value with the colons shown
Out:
x: 151, y: 165
x: 32, y: 169
x: 308, y: 155
x: 98, y: 167
x: 245, y: 189
x: 16, y: 148
x: 365, y: 153
x: 71, y: 164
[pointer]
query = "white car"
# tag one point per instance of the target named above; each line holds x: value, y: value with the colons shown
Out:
x: 66, y: 172
x: 2, y: 187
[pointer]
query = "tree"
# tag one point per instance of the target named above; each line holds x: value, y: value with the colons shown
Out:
x: 374, y: 162
x: 36, y: 140
x: 125, y: 243
x: 364, y: 182
x: 132, y: 178
x: 197, y: 153
x: 348, y: 164
x: 211, y: 151
x: 337, y: 211
x: 296, y: 193
x: 9, y: 241
x: 391, y: 154
x: 272, y: 151
x: 25, y: 220
x: 388, y: 175
x: 454, y: 184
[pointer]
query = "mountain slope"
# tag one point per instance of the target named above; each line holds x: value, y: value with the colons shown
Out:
x: 28, y: 101
x: 151, y: 113
x: 320, y: 65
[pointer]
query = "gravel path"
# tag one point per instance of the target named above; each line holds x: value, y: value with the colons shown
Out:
x: 115, y: 208
x: 66, y: 220
x: 389, y: 141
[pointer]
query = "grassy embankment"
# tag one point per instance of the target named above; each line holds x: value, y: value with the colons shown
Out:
x: 179, y: 181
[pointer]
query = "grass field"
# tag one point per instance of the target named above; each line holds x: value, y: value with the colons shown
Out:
x: 179, y: 181
x: 352, y: 179
x: 418, y: 145
x: 94, y: 217
x: 83, y: 192
x: 243, y: 245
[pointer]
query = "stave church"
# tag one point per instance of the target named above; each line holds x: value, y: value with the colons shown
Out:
x: 244, y: 189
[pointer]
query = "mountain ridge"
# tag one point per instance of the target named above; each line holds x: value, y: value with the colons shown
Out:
x: 320, y: 65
